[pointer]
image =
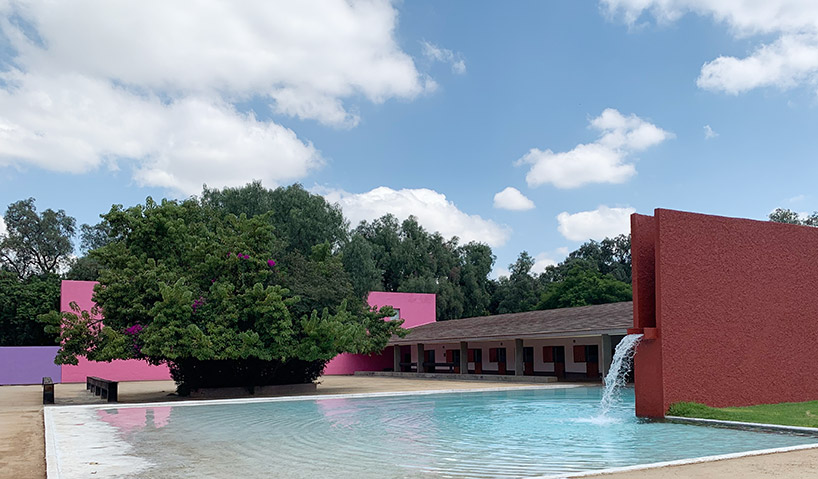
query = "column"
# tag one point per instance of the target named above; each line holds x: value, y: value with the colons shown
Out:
x: 396, y: 358
x: 607, y: 354
x: 464, y: 357
x: 420, y: 358
x: 518, y: 357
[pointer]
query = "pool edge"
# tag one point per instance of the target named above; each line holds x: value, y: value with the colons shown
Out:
x: 681, y: 462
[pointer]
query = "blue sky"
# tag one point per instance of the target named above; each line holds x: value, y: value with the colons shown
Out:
x: 589, y: 110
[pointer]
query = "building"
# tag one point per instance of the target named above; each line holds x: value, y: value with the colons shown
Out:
x: 569, y: 343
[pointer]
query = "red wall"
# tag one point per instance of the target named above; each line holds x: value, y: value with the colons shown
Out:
x: 735, y: 308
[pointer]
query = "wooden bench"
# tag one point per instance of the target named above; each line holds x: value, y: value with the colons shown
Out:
x: 48, y: 391
x: 102, y: 387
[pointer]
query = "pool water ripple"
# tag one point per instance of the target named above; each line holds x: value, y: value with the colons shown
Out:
x: 519, y: 433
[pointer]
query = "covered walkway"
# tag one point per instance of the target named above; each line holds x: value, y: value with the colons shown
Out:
x: 569, y: 343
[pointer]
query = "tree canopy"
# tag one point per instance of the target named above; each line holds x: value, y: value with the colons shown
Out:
x: 197, y: 287
x: 35, y: 243
x: 782, y: 215
x: 407, y: 258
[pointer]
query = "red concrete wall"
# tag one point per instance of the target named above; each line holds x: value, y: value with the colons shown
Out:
x: 735, y: 312
x: 648, y: 368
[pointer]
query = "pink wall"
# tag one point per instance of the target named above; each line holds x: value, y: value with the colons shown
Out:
x: 415, y: 309
x: 734, y: 311
x: 82, y: 292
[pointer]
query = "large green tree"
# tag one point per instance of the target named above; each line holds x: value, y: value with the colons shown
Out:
x: 193, y: 285
x: 582, y: 287
x: 21, y: 302
x: 35, y: 243
x: 301, y: 219
x: 407, y: 258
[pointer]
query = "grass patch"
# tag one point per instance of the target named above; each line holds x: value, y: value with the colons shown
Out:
x: 804, y: 414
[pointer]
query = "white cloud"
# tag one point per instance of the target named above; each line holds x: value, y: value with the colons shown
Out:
x: 797, y: 198
x: 709, y: 133
x: 73, y: 123
x: 511, y: 199
x: 432, y: 210
x: 498, y: 271
x: 3, y: 229
x: 602, y: 161
x: 790, y: 59
x: 156, y: 83
x: 542, y: 261
x: 596, y: 224
x: 435, y: 53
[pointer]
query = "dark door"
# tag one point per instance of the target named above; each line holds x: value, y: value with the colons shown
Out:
x: 528, y: 361
x: 476, y: 357
x: 453, y: 358
x: 501, y: 360
x: 429, y: 367
x: 559, y: 361
x: 592, y: 361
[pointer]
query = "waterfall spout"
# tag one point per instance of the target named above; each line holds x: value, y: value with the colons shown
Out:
x: 618, y: 373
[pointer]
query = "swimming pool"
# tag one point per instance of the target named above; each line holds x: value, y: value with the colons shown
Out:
x: 510, y: 433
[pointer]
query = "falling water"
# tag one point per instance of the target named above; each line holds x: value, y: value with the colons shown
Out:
x: 618, y: 373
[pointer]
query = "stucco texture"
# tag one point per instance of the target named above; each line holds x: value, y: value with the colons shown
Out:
x: 736, y: 316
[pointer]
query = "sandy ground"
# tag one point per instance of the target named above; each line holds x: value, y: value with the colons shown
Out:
x: 22, y: 450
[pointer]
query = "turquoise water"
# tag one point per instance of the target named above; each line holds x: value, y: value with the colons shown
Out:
x: 519, y: 433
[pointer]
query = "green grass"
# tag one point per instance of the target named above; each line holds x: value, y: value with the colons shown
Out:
x: 803, y: 414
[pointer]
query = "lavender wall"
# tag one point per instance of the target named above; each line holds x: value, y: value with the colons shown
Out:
x: 28, y: 364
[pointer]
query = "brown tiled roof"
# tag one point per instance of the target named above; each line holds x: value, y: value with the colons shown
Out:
x: 612, y: 318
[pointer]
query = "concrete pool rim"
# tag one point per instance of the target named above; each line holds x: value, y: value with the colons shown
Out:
x: 53, y: 459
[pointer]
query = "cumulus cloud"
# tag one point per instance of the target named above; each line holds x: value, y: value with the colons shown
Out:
x: 596, y: 224
x: 542, y: 261
x: 156, y: 84
x: 511, y: 199
x: 790, y: 59
x: 709, y: 133
x: 603, y: 161
x: 432, y: 210
x: 435, y: 53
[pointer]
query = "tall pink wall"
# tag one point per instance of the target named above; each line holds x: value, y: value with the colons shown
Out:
x: 735, y: 312
x: 415, y: 309
x: 82, y: 292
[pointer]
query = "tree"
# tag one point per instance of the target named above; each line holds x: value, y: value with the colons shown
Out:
x: 781, y: 215
x: 299, y: 217
x: 583, y: 287
x: 35, y: 243
x: 205, y: 291
x: 407, y: 258
x: 519, y: 291
x: 359, y: 262
x: 21, y: 302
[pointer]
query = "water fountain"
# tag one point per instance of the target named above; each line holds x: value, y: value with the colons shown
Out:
x: 618, y: 373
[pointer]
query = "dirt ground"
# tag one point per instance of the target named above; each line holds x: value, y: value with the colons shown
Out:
x: 22, y: 439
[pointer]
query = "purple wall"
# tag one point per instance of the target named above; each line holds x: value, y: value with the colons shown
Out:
x: 28, y: 364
